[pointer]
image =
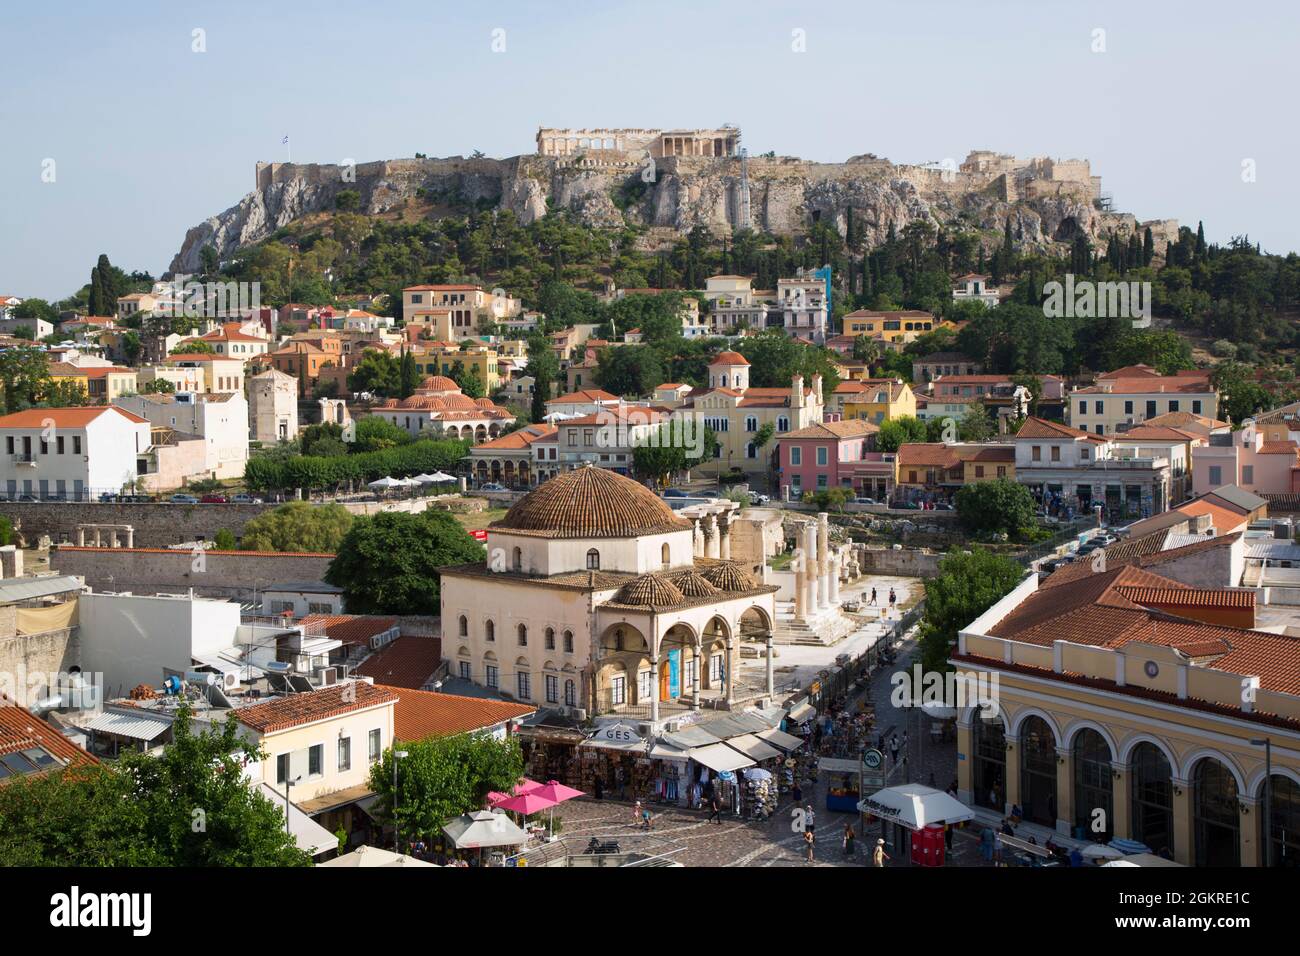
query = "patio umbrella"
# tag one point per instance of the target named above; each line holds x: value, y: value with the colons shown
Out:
x: 758, y: 773
x: 483, y: 828
x: 384, y: 484
x: 1100, y: 851
x: 526, y: 803
x: 524, y: 785
x: 556, y: 792
x: 424, y: 479
x: 442, y: 477
x: 915, y: 806
x: 371, y: 856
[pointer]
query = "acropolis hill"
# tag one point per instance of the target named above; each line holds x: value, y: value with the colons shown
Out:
x: 673, y: 180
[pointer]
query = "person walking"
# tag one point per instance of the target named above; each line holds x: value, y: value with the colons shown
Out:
x: 947, y: 837
x: 809, y: 842
x: 636, y: 814
x: 600, y: 789
x: 797, y: 793
x: 893, y: 748
x: 893, y: 597
x: 873, y: 597
x: 848, y: 839
x: 809, y: 819
x: 878, y: 855
x: 715, y: 811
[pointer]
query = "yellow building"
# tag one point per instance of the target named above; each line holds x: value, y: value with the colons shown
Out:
x: 1126, y: 703
x: 439, y: 358
x: 875, y: 399
x: 898, y: 328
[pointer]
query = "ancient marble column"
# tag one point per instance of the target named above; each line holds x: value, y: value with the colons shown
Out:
x: 800, y: 572
x: 695, y: 684
x: 654, y: 689
x: 810, y: 567
x: 731, y: 667
x: 837, y: 563
x: 724, y: 530
x: 771, y: 683
x: 823, y: 560
x: 712, y: 546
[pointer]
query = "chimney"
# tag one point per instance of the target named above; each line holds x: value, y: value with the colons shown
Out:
x: 817, y: 386
x: 796, y: 392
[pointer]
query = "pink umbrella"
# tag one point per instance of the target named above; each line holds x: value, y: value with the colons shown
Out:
x: 557, y: 793
x: 495, y: 797
x: 526, y: 804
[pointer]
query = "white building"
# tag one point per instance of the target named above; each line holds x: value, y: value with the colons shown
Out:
x: 803, y: 306
x: 220, y: 419
x: 272, y: 407
x: 974, y: 287
x: 71, y: 453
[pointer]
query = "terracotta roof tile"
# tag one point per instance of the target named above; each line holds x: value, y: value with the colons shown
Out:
x: 351, y: 628
x: 420, y: 713
x: 591, y: 503
x: 298, y: 709
x: 406, y: 662
x: 20, y: 729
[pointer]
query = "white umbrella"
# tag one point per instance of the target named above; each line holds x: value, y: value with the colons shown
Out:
x: 383, y: 484
x: 424, y: 479
x: 442, y: 476
x: 483, y: 828
x: 915, y: 806
x: 1100, y: 851
x: 937, y: 710
x: 371, y: 856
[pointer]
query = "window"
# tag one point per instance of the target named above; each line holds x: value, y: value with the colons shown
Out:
x: 463, y: 626
x: 568, y: 642
x: 1151, y: 409
x: 1128, y: 408
x: 465, y: 671
x: 1196, y: 406
x: 490, y: 673
x: 550, y: 638
x: 751, y: 423
x: 570, y: 694
x: 1002, y: 471
x: 1173, y: 405
x: 644, y: 680
x: 524, y: 683
x: 1100, y: 406
x: 9, y: 444
x: 1056, y: 453
x: 618, y: 690
x: 750, y: 450
x: 281, y: 768
x: 979, y: 471
x: 796, y: 455
x: 518, y: 559
x: 1036, y: 453
x: 593, y: 560
x: 822, y: 457
x: 665, y: 556
x: 783, y: 424
x: 58, y: 445
x: 490, y: 631
x: 1247, y: 474
x: 552, y: 689
x: 375, y: 745
x: 1216, y: 475
x: 1084, y: 453
x: 715, y: 669
x: 523, y: 635
x: 821, y: 481
x: 345, y: 754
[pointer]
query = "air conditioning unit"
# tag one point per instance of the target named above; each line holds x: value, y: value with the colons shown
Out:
x: 578, y: 713
x: 645, y: 729
x: 328, y: 676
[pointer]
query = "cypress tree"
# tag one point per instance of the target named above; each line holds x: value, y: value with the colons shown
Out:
x: 1200, y: 241
x: 1148, y: 247
x: 95, y: 304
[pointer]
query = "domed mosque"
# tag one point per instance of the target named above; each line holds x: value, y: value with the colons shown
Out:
x: 594, y: 596
x: 438, y: 408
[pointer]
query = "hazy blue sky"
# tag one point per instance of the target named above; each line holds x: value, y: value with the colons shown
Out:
x: 150, y: 138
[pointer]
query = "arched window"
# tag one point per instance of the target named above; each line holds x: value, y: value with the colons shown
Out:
x: 1038, y: 772
x: 463, y: 626
x: 783, y: 424
x: 1092, y: 785
x: 1285, y: 812
x: 665, y: 556
x: 593, y: 560
x: 568, y: 642
x: 990, y: 763
x: 523, y: 635
x: 1153, y: 797
x: 1216, y: 823
x: 490, y: 631
x: 518, y: 559
x: 550, y: 638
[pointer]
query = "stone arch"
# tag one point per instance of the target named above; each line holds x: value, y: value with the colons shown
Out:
x: 1257, y: 779
x: 1067, y: 738
x: 1014, y: 724
x: 754, y: 623
x: 1208, y: 753
x: 632, y: 640
x: 1125, y: 753
x: 463, y: 651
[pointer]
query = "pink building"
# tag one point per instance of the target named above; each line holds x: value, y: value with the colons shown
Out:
x: 1245, y: 459
x: 831, y: 455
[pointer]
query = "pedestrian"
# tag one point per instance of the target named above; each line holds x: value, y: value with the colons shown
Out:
x: 848, y: 839
x: 947, y: 837
x: 797, y: 793
x: 873, y: 596
x: 636, y: 813
x: 809, y: 819
x: 646, y: 818
x: 809, y: 841
x: 715, y: 814
x: 879, y: 856
x: 600, y: 789
x: 620, y: 782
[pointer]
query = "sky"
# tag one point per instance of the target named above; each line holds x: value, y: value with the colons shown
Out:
x: 120, y: 133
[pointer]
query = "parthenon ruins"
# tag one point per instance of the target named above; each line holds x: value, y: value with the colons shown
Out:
x: 723, y: 141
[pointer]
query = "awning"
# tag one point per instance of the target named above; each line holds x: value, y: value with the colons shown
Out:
x: 663, y: 751
x: 137, y: 727
x: 618, y: 736
x: 720, y: 757
x: 779, y: 738
x: 801, y: 712
x: 307, y: 833
x: 751, y: 746
x: 689, y: 737
x: 336, y: 798
x: 223, y: 664
x: 915, y: 806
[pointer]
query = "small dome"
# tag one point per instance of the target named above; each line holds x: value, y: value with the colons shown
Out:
x: 457, y: 400
x: 729, y: 358
x: 691, y: 583
x: 438, y: 383
x: 592, y: 503
x: 728, y: 577
x: 650, y: 590
x: 484, y: 403
x: 390, y: 403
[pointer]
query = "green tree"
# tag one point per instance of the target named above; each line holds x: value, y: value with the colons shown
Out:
x: 968, y: 585
x: 377, y: 373
x: 159, y: 386
x: 903, y: 430
x: 373, y: 433
x: 441, y: 778
x: 24, y: 375
x: 632, y: 370
x: 407, y: 375
x: 999, y: 506
x: 224, y: 540
x: 347, y: 200
x: 197, y: 347
x: 388, y: 563
x: 299, y: 526
x: 190, y: 806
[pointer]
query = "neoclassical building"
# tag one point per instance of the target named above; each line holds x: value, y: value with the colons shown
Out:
x: 440, y: 404
x: 1131, y: 705
x: 595, y: 596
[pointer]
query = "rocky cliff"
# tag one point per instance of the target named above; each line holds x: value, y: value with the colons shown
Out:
x: 786, y: 195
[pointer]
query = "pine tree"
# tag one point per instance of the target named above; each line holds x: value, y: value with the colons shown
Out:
x: 541, y: 392
x: 851, y: 232
x: 1148, y: 247
x: 95, y: 304
x: 1200, y: 242
x: 408, y: 376
x: 108, y: 288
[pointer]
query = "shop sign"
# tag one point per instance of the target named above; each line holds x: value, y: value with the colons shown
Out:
x: 873, y: 770
x: 618, y: 734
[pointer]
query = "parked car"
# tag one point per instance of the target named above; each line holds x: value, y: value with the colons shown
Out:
x: 864, y: 501
x: 183, y: 500
x: 108, y: 497
x: 758, y: 499
x: 710, y: 493
x: 493, y: 486
x: 214, y: 499
x: 244, y: 499
x: 676, y: 493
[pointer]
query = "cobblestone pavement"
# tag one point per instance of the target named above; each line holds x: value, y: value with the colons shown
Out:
x: 686, y: 837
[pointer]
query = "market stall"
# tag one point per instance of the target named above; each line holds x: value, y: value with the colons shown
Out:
x: 913, y: 818
x: 717, y: 764
x: 844, y: 788
x: 616, y: 757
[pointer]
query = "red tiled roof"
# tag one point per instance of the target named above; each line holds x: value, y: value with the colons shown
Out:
x: 64, y: 417
x: 420, y: 713
x: 518, y: 439
x: 927, y: 454
x: 851, y: 428
x: 298, y: 709
x: 729, y: 358
x: 1278, y: 448
x: 1041, y: 428
x: 1148, y: 386
x: 351, y: 628
x: 583, y: 395
x: 20, y: 730
x: 406, y: 662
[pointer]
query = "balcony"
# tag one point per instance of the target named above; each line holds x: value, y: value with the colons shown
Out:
x: 24, y: 459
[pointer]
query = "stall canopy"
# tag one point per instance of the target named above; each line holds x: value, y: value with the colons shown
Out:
x: 734, y: 725
x: 1142, y: 859
x: 689, y: 737
x: 802, y: 711
x: 720, y: 757
x: 751, y: 746
x: 617, y: 737
x: 915, y: 806
x: 372, y: 856
x: 779, y: 738
x: 483, y: 828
